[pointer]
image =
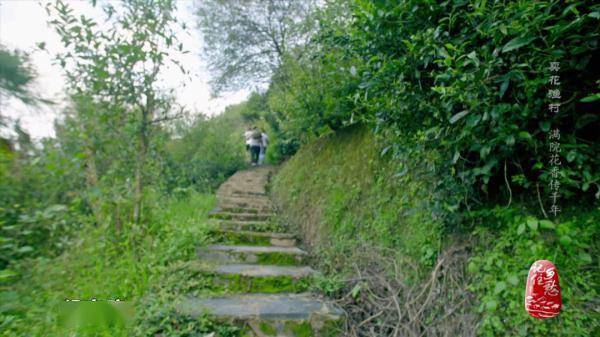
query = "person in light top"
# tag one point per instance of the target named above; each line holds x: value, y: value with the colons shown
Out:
x: 264, y: 142
x: 253, y: 144
x: 247, y: 136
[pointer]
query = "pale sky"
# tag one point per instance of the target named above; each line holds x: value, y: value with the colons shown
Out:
x: 23, y: 23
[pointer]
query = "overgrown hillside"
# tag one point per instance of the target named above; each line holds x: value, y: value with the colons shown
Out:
x: 397, y: 259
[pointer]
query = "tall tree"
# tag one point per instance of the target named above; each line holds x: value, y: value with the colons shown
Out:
x: 16, y: 78
x: 118, y: 68
x: 16, y: 74
x: 246, y: 40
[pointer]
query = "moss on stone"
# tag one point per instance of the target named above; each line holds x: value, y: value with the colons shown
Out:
x: 241, y: 210
x: 241, y: 238
x: 281, y: 259
x: 257, y: 226
x: 266, y: 285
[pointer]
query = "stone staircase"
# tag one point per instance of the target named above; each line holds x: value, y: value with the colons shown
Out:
x: 258, y: 268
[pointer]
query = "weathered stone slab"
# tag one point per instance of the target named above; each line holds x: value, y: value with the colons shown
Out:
x: 262, y: 307
x: 257, y: 249
x: 255, y: 226
x: 253, y: 270
x: 255, y: 238
x: 252, y: 254
x: 252, y: 203
x: 241, y: 216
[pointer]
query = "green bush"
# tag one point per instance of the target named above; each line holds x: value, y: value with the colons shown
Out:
x: 509, y: 242
x: 470, y: 80
x: 206, y: 153
x: 466, y: 79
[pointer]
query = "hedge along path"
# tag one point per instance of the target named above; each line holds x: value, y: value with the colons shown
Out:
x: 258, y: 268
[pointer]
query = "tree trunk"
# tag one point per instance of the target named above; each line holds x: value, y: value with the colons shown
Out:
x: 91, y: 172
x: 91, y: 177
x: 147, y: 113
x: 139, y: 168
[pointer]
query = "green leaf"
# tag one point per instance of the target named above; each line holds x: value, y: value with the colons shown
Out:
x: 6, y: 274
x: 355, y: 291
x: 513, y: 279
x: 510, y: 140
x: 491, y: 305
x: 532, y: 223
x: 484, y: 151
x: 547, y: 224
x: 458, y: 116
x: 585, y: 257
x: 525, y: 135
x: 516, y: 43
x: 503, y: 29
x: 565, y: 240
x: 521, y: 229
x: 503, y: 87
x: 571, y: 156
x: 25, y: 249
x: 500, y: 286
x: 455, y: 157
x: 590, y: 98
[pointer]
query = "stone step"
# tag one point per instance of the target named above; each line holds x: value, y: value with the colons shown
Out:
x: 282, y: 315
x: 255, y: 238
x: 252, y: 208
x: 235, y: 209
x: 245, y: 202
x: 253, y: 254
x: 248, y: 193
x: 254, y: 270
x: 241, y: 216
x: 242, y: 187
x: 238, y: 208
x: 252, y: 278
x: 256, y: 226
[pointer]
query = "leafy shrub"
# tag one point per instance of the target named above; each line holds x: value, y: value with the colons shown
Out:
x: 466, y: 79
x: 45, y: 231
x: 206, y: 153
x: 471, y: 79
x: 509, y: 242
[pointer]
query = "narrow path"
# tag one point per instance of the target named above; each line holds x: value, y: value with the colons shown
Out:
x: 259, y: 268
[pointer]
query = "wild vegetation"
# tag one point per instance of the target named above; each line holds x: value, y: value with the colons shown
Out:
x: 399, y: 267
x: 455, y: 167
x: 414, y: 137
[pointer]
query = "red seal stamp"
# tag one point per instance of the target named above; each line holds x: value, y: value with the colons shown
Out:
x: 542, y: 293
